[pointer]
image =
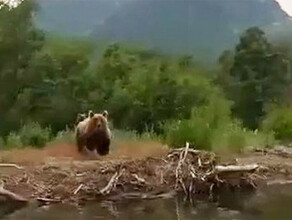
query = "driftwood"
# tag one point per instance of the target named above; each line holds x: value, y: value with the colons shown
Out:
x: 233, y: 168
x: 78, y: 189
x: 12, y: 196
x: 48, y: 201
x: 279, y: 182
x: 112, y: 183
x: 10, y: 165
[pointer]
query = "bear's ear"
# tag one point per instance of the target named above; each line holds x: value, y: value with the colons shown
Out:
x: 105, y: 114
x: 90, y: 114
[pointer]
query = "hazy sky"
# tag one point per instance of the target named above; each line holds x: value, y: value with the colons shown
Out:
x: 286, y: 5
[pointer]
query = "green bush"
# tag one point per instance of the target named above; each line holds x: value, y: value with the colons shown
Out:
x: 279, y: 121
x: 34, y: 135
x: 211, y: 127
x: 199, y: 129
x: 13, y: 140
x: 124, y: 135
x: 67, y: 136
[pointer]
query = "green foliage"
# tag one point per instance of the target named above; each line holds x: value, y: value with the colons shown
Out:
x: 279, y: 120
x: 234, y: 138
x: 211, y: 127
x: 138, y: 90
x: 65, y: 136
x: 256, y: 75
x: 34, y: 135
x: 20, y: 40
x: 199, y: 129
x: 13, y: 140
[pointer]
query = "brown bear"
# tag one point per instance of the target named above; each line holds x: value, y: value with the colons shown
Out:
x: 80, y: 117
x: 93, y: 134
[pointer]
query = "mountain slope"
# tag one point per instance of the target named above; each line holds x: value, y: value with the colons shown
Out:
x: 174, y: 26
x: 188, y: 26
x: 77, y: 17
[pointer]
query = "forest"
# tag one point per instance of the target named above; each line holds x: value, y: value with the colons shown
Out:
x: 244, y: 99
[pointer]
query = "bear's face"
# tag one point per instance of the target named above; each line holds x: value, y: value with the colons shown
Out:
x: 98, y: 122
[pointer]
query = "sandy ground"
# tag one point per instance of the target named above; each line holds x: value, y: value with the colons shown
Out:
x: 66, y: 151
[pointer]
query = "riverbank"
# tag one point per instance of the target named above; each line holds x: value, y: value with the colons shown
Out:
x: 196, y: 174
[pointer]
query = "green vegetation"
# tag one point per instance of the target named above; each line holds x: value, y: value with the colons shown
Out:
x: 279, y: 120
x: 31, y: 134
x: 45, y: 82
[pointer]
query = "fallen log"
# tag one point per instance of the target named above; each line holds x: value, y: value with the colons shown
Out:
x: 235, y: 168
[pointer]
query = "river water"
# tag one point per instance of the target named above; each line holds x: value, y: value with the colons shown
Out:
x: 275, y: 203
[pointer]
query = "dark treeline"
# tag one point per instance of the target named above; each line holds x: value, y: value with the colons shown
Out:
x: 49, y: 80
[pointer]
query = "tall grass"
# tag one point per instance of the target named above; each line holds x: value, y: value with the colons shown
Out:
x: 66, y: 136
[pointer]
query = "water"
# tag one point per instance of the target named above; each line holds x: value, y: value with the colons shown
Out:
x: 276, y: 203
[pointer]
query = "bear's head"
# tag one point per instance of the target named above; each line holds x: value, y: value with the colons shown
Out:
x: 98, y: 122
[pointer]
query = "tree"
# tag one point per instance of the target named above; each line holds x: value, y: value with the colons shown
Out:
x: 259, y: 76
x: 19, y: 41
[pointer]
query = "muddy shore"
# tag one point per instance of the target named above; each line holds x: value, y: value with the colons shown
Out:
x: 196, y: 174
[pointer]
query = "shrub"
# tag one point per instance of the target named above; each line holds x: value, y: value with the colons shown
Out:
x: 199, y: 129
x: 234, y: 138
x: 211, y: 127
x: 13, y: 140
x: 194, y: 131
x: 279, y: 121
x: 67, y: 136
x: 34, y: 135
x: 124, y: 134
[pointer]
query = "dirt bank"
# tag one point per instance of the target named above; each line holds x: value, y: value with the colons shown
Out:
x: 135, y: 170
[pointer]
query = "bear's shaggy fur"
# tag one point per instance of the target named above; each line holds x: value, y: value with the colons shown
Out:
x: 93, y: 133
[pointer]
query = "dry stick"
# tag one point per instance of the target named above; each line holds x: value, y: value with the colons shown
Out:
x: 161, y: 177
x: 279, y: 182
x: 10, y: 165
x: 211, y: 191
x: 232, y: 168
x: 199, y: 162
x: 139, y: 179
x: 47, y: 200
x: 111, y: 184
x: 186, y: 151
x: 190, y: 151
x: 78, y: 189
x: 180, y: 162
